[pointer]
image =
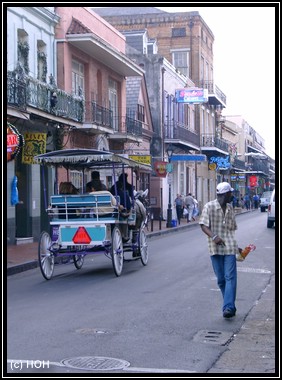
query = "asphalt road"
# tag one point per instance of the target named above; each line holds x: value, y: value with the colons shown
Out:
x: 161, y: 318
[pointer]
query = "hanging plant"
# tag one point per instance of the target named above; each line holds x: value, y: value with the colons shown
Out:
x: 23, y: 53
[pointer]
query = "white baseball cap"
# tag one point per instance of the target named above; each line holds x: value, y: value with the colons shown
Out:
x: 223, y: 187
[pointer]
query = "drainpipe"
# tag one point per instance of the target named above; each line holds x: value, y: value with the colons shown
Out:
x: 191, y: 24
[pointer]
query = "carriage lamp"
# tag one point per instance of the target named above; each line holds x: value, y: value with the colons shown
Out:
x: 169, y: 152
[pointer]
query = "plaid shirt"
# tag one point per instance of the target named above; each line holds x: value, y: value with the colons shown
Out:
x: 222, y: 225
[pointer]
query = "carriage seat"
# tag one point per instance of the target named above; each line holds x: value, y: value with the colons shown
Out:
x: 93, y: 205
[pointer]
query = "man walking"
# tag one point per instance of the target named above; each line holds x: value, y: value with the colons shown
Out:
x: 218, y: 223
x: 189, y: 204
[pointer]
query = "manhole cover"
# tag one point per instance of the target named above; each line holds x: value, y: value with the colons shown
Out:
x: 214, y: 337
x: 98, y: 363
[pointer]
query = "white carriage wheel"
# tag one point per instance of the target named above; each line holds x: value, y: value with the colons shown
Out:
x: 45, y: 257
x: 143, y: 246
x: 117, y: 251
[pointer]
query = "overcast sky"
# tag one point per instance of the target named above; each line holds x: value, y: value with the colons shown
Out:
x: 244, y: 62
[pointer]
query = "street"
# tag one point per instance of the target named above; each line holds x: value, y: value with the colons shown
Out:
x: 160, y: 318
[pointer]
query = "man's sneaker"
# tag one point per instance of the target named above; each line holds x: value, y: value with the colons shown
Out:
x: 228, y: 313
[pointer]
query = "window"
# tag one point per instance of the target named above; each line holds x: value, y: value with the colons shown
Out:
x: 178, y: 32
x: 202, y: 68
x: 41, y: 61
x: 77, y: 78
x: 180, y: 59
x: 76, y: 179
x: 140, y: 113
x: 23, y: 50
x: 207, y: 71
x: 113, y: 102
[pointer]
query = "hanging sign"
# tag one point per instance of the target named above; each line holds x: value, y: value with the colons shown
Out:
x: 141, y: 158
x: 253, y: 181
x: 14, y: 142
x: 188, y: 157
x: 219, y: 163
x: 191, y: 95
x: 160, y: 168
x: 35, y: 143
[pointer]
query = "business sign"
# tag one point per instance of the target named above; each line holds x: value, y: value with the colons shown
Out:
x: 219, y: 163
x: 160, y: 168
x: 238, y: 177
x: 188, y: 157
x: 14, y: 142
x: 35, y: 143
x: 253, y: 180
x: 191, y: 95
x: 142, y: 159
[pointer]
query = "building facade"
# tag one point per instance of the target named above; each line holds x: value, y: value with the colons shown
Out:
x: 66, y: 83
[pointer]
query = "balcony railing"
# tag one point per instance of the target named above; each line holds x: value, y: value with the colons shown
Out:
x: 96, y: 114
x: 176, y: 131
x: 133, y: 126
x: 238, y: 164
x: 31, y: 92
x: 210, y: 140
x: 28, y: 91
x: 16, y: 92
x: 258, y: 166
x: 212, y: 89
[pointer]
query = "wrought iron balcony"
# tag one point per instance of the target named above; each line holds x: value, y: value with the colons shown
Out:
x: 211, y: 141
x: 213, y: 89
x: 96, y: 114
x: 16, y: 92
x: 176, y: 131
x: 28, y: 91
x: 257, y: 166
x: 238, y: 164
x: 134, y: 127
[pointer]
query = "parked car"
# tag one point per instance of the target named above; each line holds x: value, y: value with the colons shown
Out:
x: 271, y: 211
x: 264, y: 200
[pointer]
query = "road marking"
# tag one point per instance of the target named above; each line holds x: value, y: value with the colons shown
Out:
x: 157, y: 370
x: 252, y: 270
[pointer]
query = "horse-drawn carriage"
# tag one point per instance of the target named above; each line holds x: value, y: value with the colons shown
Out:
x: 90, y: 223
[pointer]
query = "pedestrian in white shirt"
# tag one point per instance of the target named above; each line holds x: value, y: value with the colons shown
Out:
x: 189, y: 204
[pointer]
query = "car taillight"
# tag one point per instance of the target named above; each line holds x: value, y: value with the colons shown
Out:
x: 269, y: 208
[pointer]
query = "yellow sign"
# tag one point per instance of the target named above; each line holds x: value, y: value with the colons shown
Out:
x: 35, y: 143
x: 141, y: 159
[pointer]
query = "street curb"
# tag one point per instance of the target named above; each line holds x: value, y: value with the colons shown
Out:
x: 170, y: 230
x: 22, y: 267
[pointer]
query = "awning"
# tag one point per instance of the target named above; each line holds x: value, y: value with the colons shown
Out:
x: 257, y: 155
x: 80, y: 159
x: 254, y: 149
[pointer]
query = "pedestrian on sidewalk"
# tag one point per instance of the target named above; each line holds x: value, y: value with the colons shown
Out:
x: 189, y: 203
x: 179, y: 204
x: 195, y: 212
x: 218, y: 223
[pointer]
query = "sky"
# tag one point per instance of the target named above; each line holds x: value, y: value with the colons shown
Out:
x: 244, y: 62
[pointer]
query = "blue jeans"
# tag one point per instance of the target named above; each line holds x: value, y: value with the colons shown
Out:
x: 224, y: 267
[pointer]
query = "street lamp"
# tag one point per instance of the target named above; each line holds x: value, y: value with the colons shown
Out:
x: 169, y: 152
